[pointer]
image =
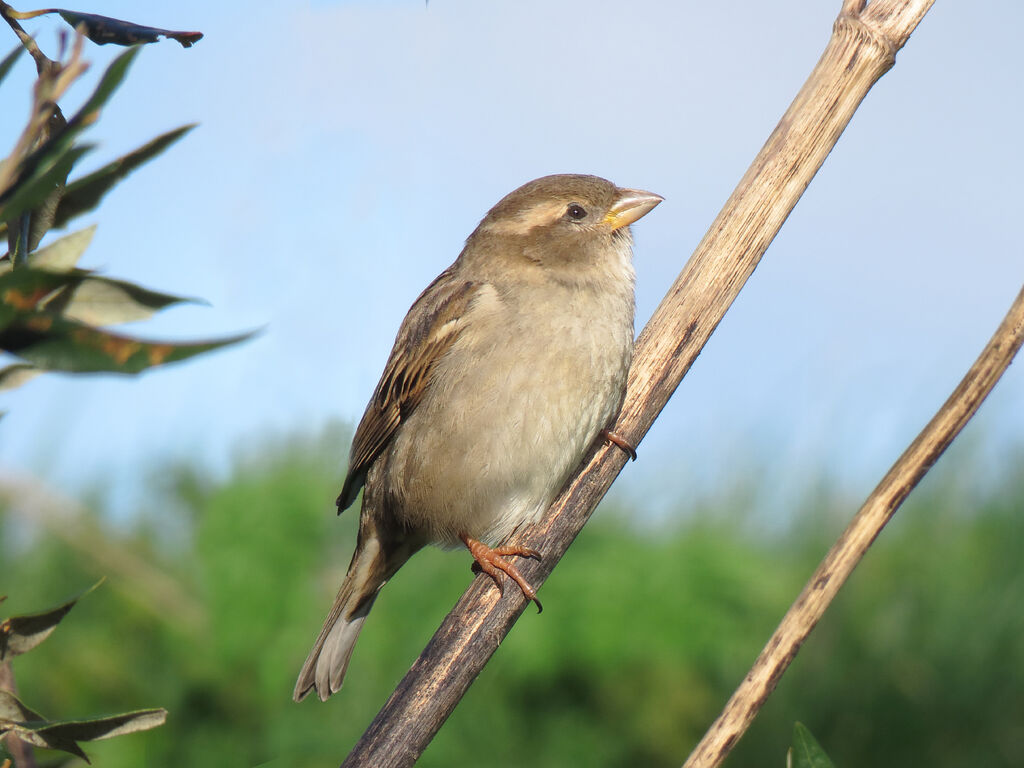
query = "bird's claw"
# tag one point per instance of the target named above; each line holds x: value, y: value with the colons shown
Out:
x: 493, y: 563
x: 619, y: 442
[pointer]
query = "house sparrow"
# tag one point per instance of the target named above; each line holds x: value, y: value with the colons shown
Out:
x: 506, y: 369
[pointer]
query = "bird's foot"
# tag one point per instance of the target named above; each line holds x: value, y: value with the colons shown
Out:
x: 492, y: 561
x: 620, y: 442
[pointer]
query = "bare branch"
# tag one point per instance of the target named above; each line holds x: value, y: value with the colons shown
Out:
x: 840, y: 561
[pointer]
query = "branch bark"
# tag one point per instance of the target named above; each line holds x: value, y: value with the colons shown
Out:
x: 864, y: 42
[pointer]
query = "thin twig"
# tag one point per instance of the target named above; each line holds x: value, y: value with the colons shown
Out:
x: 43, y: 62
x: 851, y: 546
x: 862, y: 49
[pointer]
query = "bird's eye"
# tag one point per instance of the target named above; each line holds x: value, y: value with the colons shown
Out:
x: 575, y: 211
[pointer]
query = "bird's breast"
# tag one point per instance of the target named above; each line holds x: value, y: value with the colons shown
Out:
x: 510, y: 411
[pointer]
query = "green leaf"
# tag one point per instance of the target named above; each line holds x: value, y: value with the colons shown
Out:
x: 13, y: 376
x: 806, y: 752
x: 58, y: 344
x: 32, y: 190
x: 27, y: 230
x: 9, y: 61
x: 103, y: 301
x: 56, y: 151
x: 18, y: 234
x: 12, y: 709
x: 103, y: 29
x: 111, y: 726
x: 60, y: 255
x: 84, y: 194
x: 63, y: 254
x: 64, y: 735
x: 87, y: 298
x: 22, y: 290
x: 112, y: 78
x: 19, y: 634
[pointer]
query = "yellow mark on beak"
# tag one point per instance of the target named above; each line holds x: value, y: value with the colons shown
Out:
x: 630, y: 206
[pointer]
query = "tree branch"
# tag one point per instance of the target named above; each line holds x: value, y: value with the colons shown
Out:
x: 852, y: 545
x: 863, y: 46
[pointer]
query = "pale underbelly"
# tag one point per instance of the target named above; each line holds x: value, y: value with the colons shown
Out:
x: 496, y: 462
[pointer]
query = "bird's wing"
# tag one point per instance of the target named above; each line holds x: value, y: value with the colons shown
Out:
x: 428, y: 331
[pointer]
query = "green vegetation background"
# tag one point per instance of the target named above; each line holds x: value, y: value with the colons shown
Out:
x: 215, y: 592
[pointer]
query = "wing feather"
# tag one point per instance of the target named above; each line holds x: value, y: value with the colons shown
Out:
x: 428, y: 331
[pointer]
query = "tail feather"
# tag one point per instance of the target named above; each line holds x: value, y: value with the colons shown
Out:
x: 372, y: 565
x: 337, y: 651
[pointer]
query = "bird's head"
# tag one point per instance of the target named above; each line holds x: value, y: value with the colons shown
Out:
x: 563, y: 224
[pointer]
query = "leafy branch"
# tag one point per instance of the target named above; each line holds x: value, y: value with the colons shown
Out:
x: 103, y: 29
x: 20, y: 634
x: 52, y: 313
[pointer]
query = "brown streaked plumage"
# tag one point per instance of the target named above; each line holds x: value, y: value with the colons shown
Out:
x: 506, y: 369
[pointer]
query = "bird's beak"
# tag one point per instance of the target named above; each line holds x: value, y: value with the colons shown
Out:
x: 631, y: 205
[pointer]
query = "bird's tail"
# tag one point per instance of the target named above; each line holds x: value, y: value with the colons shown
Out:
x: 372, y: 565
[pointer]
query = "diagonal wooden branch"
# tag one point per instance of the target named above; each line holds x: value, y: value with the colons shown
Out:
x: 862, y: 48
x: 852, y: 545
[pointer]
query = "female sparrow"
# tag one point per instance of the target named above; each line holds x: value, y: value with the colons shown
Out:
x: 506, y: 369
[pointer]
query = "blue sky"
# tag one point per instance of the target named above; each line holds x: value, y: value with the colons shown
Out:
x: 347, y: 149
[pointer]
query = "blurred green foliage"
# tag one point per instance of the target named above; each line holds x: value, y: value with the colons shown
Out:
x: 215, y: 593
